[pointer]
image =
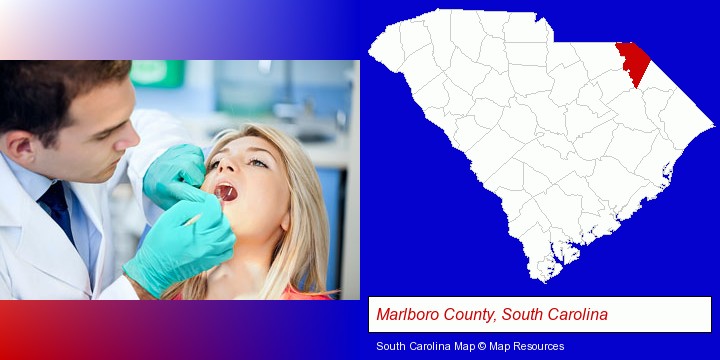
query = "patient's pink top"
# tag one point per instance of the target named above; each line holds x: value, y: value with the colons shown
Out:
x: 289, y: 294
x: 292, y: 294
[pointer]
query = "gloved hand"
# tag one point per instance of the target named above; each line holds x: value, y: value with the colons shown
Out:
x: 173, y: 251
x: 175, y: 175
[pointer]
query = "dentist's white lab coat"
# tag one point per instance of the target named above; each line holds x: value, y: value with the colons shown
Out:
x: 38, y: 261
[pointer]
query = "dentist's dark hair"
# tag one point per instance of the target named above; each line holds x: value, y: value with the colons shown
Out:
x: 35, y: 96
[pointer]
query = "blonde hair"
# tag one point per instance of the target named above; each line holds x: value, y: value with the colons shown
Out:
x: 301, y: 254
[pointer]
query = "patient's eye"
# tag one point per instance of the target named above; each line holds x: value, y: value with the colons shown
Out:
x: 256, y: 162
x: 213, y: 165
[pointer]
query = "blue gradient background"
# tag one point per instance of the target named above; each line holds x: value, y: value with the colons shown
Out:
x: 189, y: 29
x: 428, y: 226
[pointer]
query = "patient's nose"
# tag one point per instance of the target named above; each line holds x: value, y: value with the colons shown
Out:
x: 225, y: 165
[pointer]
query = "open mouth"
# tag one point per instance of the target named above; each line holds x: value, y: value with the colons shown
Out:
x: 225, y: 192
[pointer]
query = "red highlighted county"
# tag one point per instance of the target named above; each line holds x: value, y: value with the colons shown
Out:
x: 636, y: 61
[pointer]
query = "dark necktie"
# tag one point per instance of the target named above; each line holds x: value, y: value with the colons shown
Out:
x: 54, y: 198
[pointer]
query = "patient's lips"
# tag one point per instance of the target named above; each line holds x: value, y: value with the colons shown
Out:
x: 225, y: 192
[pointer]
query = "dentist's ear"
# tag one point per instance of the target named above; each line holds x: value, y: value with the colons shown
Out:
x: 19, y: 146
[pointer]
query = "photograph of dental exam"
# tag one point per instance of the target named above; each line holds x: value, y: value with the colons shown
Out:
x: 281, y: 151
x: 155, y: 179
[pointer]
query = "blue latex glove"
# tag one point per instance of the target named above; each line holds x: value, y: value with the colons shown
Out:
x: 174, y: 251
x: 175, y: 175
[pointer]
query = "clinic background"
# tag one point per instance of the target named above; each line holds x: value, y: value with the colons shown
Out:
x: 315, y: 101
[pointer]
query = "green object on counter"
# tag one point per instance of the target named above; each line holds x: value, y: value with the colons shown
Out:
x: 158, y: 73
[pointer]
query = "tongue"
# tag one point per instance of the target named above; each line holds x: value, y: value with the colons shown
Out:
x: 225, y: 193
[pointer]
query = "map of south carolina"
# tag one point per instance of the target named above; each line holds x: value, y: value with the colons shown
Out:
x: 571, y: 136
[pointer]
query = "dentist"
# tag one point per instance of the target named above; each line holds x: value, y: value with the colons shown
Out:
x: 68, y: 135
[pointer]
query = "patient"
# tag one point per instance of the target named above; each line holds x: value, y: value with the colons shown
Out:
x: 271, y: 195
